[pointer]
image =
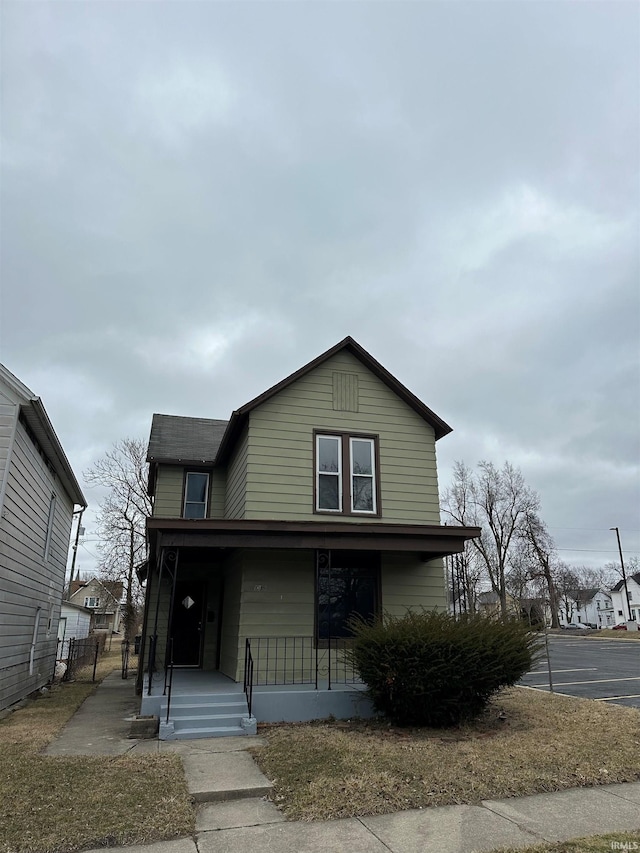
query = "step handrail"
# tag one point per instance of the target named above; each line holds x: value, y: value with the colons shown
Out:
x: 248, y: 674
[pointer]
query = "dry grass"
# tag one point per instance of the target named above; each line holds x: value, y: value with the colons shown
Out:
x: 57, y: 804
x: 527, y: 742
x: 608, y: 633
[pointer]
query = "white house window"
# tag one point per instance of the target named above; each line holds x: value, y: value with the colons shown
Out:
x: 92, y: 601
x: 346, y: 475
x: 195, y: 495
x: 363, y: 491
x: 329, y: 461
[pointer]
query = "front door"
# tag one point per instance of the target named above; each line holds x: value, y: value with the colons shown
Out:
x: 187, y: 623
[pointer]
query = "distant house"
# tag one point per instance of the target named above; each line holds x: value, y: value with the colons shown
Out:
x: 103, y: 599
x: 592, y: 607
x: 622, y: 611
x: 488, y: 603
x: 38, y: 492
x: 317, y: 501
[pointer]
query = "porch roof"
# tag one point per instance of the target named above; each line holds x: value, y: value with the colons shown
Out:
x: 432, y: 540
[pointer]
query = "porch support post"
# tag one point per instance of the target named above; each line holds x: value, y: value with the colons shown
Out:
x: 154, y: 636
x: 172, y: 556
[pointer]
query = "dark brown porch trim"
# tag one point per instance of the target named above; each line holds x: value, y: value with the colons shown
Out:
x: 431, y: 540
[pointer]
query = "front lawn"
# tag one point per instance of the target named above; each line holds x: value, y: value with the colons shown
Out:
x: 51, y: 804
x: 527, y: 742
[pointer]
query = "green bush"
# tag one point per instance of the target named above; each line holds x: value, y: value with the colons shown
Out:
x: 428, y: 669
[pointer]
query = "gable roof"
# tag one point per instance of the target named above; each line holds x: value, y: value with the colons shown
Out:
x: 583, y: 594
x: 239, y: 417
x: 635, y: 577
x: 38, y: 422
x: 114, y: 589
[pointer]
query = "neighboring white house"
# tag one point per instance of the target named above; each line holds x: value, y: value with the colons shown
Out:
x: 621, y: 611
x: 592, y: 607
x: 75, y: 621
x: 38, y: 491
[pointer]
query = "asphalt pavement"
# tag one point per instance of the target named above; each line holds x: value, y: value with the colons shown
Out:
x: 606, y: 670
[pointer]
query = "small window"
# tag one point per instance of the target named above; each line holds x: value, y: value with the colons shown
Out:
x: 195, y: 495
x: 92, y: 601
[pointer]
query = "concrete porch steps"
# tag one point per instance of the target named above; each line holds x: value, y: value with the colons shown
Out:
x: 205, y: 715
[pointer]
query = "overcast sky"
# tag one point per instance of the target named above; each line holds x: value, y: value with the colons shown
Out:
x: 200, y: 197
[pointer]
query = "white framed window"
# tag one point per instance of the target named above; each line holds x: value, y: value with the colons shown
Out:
x: 346, y: 476
x: 329, y: 473
x: 92, y: 601
x: 196, y: 491
x: 363, y: 475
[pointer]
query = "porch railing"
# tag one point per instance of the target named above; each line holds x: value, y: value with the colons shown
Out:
x: 168, y: 677
x: 277, y: 661
x: 153, y: 642
x: 248, y: 674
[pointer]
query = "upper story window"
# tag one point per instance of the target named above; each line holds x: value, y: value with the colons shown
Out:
x: 196, y: 490
x: 346, y: 475
x: 92, y: 601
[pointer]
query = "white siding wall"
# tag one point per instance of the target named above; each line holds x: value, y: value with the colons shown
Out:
x: 28, y: 583
x: 78, y: 622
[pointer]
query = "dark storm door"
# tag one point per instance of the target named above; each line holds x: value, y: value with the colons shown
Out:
x: 187, y: 624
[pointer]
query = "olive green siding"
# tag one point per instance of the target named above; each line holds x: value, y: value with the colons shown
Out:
x: 280, y: 474
x: 169, y: 492
x: 167, y: 502
x: 408, y: 583
x: 237, y: 480
x: 231, y: 658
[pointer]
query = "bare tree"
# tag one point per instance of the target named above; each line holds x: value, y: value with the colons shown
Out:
x: 121, y: 522
x: 540, y: 548
x: 497, y: 500
x: 567, y: 583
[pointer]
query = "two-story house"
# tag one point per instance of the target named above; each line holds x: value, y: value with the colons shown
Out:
x: 315, y: 502
x: 38, y: 491
x: 591, y: 607
x: 103, y: 598
x: 631, y: 610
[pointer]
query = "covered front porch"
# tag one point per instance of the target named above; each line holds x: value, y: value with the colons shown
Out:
x: 253, y: 616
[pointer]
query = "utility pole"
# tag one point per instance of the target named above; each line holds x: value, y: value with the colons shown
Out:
x: 75, y: 548
x: 624, y: 576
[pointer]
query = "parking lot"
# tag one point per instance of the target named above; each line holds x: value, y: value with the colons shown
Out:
x: 604, y: 670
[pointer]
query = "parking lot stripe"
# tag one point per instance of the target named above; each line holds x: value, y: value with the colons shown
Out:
x: 599, y: 680
x: 613, y: 698
x: 545, y: 671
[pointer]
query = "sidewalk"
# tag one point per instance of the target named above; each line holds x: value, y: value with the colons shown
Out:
x: 234, y: 817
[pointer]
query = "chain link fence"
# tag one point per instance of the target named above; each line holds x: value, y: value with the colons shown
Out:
x: 78, y: 658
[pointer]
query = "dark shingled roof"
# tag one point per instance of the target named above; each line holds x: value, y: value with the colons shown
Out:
x: 635, y: 577
x: 177, y: 439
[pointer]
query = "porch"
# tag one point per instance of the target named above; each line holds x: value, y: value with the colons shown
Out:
x: 194, y: 703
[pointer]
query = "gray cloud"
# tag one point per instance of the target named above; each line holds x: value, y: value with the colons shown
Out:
x: 198, y: 198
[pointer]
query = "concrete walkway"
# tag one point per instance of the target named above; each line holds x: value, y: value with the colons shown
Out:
x: 233, y: 815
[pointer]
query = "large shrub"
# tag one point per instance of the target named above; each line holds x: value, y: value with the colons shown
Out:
x: 428, y: 669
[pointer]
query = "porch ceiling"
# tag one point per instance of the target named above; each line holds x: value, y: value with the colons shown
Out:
x: 431, y: 540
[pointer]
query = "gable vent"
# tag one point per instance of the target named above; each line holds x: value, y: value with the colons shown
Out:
x: 345, y: 392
